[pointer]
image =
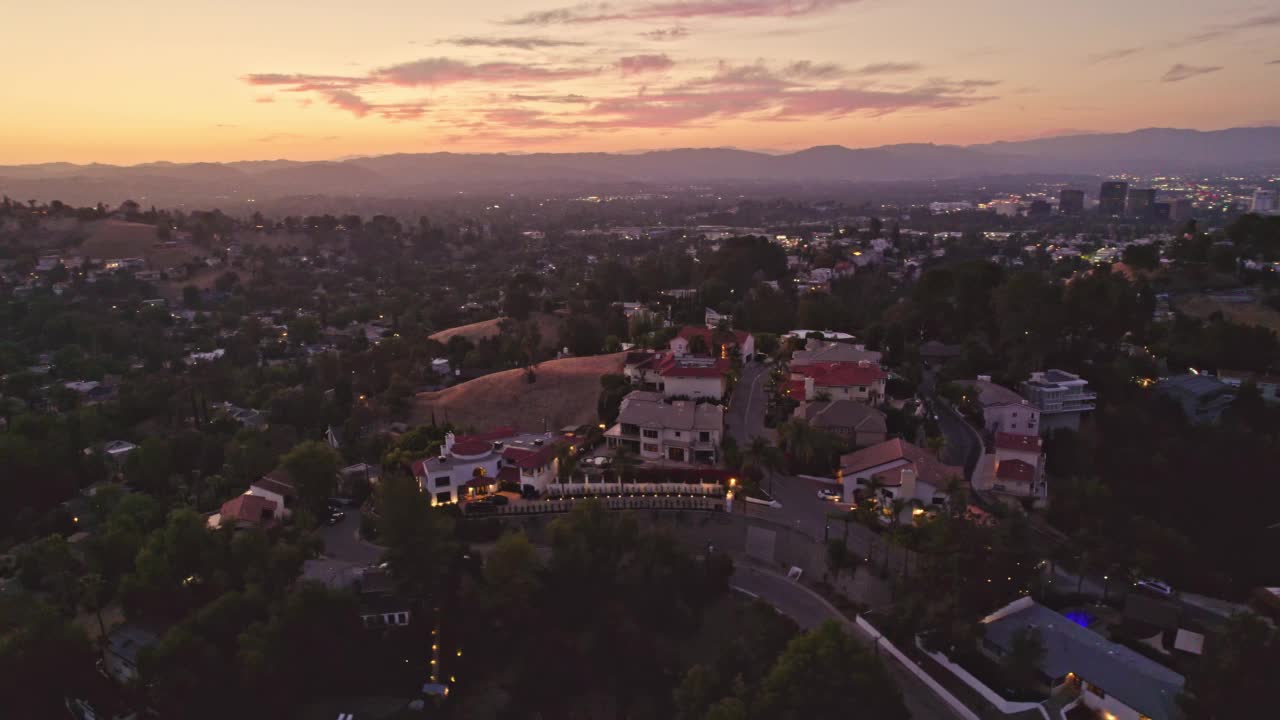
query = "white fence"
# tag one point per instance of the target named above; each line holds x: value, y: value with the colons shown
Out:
x: 942, y: 693
x: 557, y: 490
x: 1008, y: 707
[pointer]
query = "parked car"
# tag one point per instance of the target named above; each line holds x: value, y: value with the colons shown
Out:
x: 498, y: 500
x: 831, y: 494
x: 336, y: 517
x: 1158, y: 587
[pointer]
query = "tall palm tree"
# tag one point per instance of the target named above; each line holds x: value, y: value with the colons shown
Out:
x: 762, y: 458
x: 800, y: 439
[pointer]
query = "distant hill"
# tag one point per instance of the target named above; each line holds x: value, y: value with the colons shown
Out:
x: 1153, y: 150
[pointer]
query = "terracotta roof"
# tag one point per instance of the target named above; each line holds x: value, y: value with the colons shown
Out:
x: 530, y: 459
x: 1025, y: 443
x: 842, y: 374
x: 1015, y: 470
x: 927, y: 467
x: 794, y: 388
x: 470, y: 447
x: 672, y: 366
x: 249, y: 509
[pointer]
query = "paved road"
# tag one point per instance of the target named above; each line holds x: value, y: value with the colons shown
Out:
x: 342, y: 541
x: 745, y: 415
x: 809, y: 610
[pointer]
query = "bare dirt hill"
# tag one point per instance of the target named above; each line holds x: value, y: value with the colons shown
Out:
x: 120, y: 239
x: 565, y: 394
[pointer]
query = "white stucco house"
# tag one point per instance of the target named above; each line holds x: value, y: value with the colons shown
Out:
x: 718, y: 343
x: 1003, y: 410
x: 896, y: 470
x: 658, y: 429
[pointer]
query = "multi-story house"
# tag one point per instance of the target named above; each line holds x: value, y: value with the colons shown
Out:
x: 1061, y: 397
x: 687, y: 377
x: 1003, y: 410
x: 1014, y: 469
x: 472, y: 465
x: 658, y: 429
x: 862, y: 381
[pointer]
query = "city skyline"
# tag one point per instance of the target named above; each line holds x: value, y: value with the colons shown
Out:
x: 307, y: 82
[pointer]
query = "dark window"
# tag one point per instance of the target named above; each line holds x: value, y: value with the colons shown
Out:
x: 651, y: 433
x: 704, y: 436
x: 444, y: 497
x: 442, y: 481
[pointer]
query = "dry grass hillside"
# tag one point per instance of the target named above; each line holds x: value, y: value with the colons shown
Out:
x: 564, y: 394
x: 120, y: 239
x: 548, y: 327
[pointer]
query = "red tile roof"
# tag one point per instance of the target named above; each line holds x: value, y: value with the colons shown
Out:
x: 928, y: 468
x: 794, y: 388
x: 1015, y: 470
x: 672, y: 366
x: 842, y: 374
x: 249, y: 509
x: 509, y: 474
x: 1025, y: 443
x: 471, y: 447
x: 527, y: 459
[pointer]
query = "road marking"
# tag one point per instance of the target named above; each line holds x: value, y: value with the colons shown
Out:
x: 745, y: 592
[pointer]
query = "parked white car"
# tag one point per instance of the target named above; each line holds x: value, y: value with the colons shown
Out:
x: 831, y: 494
x: 1156, y: 586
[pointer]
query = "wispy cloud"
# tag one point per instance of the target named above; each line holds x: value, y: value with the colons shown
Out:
x: 1180, y: 72
x: 1225, y: 30
x: 526, y: 97
x: 264, y: 99
x: 1274, y: 62
x: 811, y: 70
x: 637, y: 64
x: 446, y: 71
x: 677, y: 10
x: 518, y: 43
x: 887, y: 68
x: 675, y: 32
x: 1111, y: 55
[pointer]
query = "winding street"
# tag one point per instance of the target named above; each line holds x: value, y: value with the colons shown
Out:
x: 809, y: 610
x: 744, y: 418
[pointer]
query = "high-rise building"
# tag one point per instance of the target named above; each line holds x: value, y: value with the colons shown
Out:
x: 1039, y: 208
x: 1180, y: 210
x: 1112, y: 196
x: 1264, y: 202
x: 1161, y: 212
x: 1140, y: 203
x: 1071, y: 202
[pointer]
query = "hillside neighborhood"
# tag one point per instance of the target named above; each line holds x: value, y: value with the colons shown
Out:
x: 997, y: 456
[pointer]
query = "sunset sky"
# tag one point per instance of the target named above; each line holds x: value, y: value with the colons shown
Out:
x: 191, y: 80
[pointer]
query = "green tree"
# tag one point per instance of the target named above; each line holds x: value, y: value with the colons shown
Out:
x: 822, y: 674
x: 1237, y: 675
x: 313, y: 467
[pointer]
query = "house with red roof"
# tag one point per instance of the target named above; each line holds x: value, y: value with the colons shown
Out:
x: 246, y: 511
x: 897, y: 470
x: 687, y: 377
x: 862, y: 381
x: 1014, y: 469
x: 720, y: 343
x: 469, y: 466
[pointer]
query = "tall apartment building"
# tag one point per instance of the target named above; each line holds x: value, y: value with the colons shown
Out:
x: 1071, y: 202
x: 1111, y: 197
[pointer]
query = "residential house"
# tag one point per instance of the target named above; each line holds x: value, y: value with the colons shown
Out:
x: 246, y: 511
x: 277, y: 487
x: 471, y: 465
x: 855, y: 421
x: 1268, y: 385
x: 1203, y: 397
x: 1003, y: 410
x: 713, y: 318
x: 1111, y: 679
x: 1061, y: 397
x: 862, y: 381
x: 120, y: 656
x: 657, y: 429
x: 817, y: 351
x: 1014, y: 468
x: 896, y: 470
x: 688, y: 377
x: 718, y: 343
x: 380, y: 605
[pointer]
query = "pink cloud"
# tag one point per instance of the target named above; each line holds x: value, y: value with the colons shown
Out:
x: 637, y: 64
x: 675, y: 32
x: 446, y: 71
x: 678, y: 10
x: 350, y: 102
